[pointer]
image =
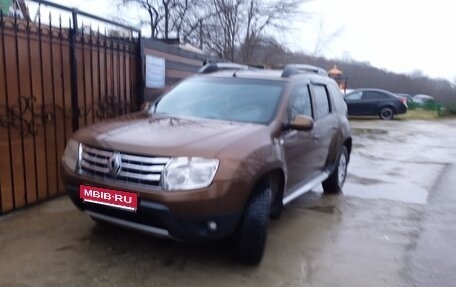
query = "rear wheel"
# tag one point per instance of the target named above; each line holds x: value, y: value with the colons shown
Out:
x: 386, y: 113
x: 252, y: 235
x: 336, y: 180
x: 276, y: 184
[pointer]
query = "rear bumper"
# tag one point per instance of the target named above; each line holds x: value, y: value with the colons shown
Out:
x: 402, y: 109
x: 157, y: 219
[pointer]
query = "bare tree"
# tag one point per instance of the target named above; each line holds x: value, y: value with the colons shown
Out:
x: 228, y: 28
x: 166, y: 17
x: 182, y: 14
x: 269, y: 53
x: 228, y: 23
x: 324, y: 40
x: 263, y: 15
x: 153, y: 9
x: 231, y: 28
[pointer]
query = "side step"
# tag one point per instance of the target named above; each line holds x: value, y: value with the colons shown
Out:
x: 306, y: 187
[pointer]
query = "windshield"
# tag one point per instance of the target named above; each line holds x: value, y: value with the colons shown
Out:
x: 232, y: 99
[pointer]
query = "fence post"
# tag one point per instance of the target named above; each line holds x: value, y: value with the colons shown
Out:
x: 74, y: 72
x: 141, y: 76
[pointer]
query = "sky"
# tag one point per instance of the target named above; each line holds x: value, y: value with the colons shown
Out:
x: 402, y: 36
x: 398, y: 35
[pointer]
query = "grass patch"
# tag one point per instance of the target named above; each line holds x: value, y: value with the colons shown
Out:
x: 419, y: 114
x: 431, y: 110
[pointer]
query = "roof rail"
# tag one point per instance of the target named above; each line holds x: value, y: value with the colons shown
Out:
x: 215, y: 67
x: 294, y: 69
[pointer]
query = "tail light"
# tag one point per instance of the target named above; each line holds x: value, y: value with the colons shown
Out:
x: 404, y: 101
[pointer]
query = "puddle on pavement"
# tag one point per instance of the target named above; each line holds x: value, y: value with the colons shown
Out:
x: 368, y: 131
x: 325, y: 209
x: 407, y: 182
x: 417, y: 196
x: 399, y: 161
x: 377, y: 178
x: 365, y: 180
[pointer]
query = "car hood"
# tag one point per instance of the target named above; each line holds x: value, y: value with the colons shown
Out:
x: 168, y: 136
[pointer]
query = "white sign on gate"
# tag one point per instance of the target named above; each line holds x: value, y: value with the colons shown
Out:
x: 155, y: 72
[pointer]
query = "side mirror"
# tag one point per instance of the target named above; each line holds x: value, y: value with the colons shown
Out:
x: 302, y: 123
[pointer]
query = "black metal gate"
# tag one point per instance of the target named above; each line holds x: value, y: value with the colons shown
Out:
x: 56, y: 76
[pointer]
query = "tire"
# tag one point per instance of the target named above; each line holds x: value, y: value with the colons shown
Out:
x: 386, y: 113
x: 251, y: 239
x: 334, y: 183
x: 276, y: 208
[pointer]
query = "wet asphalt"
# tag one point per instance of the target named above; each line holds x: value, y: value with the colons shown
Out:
x: 392, y: 226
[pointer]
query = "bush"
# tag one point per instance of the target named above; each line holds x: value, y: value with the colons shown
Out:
x: 448, y: 110
x: 428, y: 105
x: 412, y: 105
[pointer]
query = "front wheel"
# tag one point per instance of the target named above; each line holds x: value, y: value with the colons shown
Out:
x: 335, y: 182
x: 252, y: 235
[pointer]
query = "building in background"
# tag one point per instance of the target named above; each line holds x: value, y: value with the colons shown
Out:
x: 338, y: 76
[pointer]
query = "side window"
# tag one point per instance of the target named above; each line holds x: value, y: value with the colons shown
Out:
x: 300, y: 103
x: 321, y: 101
x: 354, y: 96
x: 337, y: 96
x: 373, y: 95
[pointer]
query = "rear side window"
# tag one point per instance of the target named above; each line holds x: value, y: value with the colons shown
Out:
x: 321, y: 101
x: 337, y: 96
x: 373, y: 95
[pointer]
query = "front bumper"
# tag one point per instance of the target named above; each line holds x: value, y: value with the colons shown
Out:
x: 157, y: 219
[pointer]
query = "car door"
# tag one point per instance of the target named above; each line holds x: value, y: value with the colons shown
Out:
x: 325, y: 125
x: 354, y: 103
x: 371, y: 102
x: 299, y: 146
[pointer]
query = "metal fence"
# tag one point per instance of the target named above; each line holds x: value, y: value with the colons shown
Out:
x: 56, y: 76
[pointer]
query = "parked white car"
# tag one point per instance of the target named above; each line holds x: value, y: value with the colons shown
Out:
x: 422, y: 99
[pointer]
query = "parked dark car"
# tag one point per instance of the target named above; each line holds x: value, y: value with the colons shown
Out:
x: 375, y: 102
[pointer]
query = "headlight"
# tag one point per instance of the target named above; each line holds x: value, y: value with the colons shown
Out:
x: 72, y: 154
x: 184, y: 173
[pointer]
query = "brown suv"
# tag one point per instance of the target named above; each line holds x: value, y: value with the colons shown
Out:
x: 217, y: 155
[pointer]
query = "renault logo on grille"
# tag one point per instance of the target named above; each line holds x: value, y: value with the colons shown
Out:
x: 115, y: 164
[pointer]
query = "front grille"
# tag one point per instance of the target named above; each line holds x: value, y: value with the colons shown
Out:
x: 121, y: 167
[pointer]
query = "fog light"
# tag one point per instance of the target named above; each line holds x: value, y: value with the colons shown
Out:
x: 212, y: 226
